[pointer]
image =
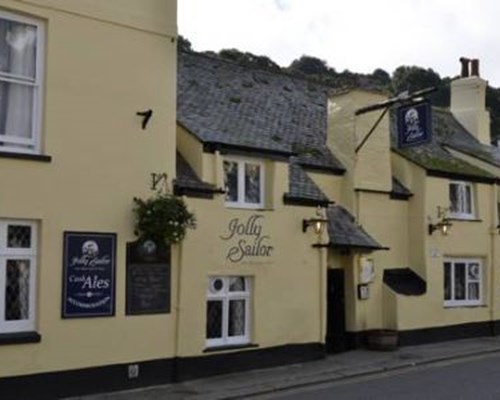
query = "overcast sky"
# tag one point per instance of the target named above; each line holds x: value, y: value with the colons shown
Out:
x: 358, y: 35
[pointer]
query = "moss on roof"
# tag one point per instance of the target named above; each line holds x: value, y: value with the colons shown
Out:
x: 446, y: 132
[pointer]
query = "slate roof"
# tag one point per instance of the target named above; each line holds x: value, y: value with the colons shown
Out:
x: 223, y: 103
x: 188, y: 181
x: 345, y: 232
x: 404, y: 281
x: 448, y: 132
x: 302, y: 189
x: 399, y: 190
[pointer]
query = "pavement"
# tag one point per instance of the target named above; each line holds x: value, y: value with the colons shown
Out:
x: 336, y: 367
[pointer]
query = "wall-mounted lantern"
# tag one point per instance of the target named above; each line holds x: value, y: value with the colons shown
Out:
x: 318, y: 223
x: 443, y: 223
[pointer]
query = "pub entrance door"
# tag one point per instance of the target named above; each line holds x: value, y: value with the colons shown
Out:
x: 336, y: 338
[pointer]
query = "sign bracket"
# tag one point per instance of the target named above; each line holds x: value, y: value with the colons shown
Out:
x: 402, y: 97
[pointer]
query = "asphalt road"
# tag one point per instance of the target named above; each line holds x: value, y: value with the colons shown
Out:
x: 476, y: 378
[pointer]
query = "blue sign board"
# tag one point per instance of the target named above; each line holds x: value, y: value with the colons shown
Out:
x: 414, y: 124
x: 89, y: 274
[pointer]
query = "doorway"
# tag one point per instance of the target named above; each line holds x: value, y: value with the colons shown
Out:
x: 336, y: 338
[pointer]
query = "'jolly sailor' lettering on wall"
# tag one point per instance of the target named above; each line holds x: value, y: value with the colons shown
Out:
x: 248, y: 241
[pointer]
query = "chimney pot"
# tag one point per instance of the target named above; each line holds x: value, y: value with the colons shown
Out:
x: 475, y: 67
x: 465, y: 67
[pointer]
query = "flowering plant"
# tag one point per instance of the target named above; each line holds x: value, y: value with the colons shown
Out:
x: 162, y: 218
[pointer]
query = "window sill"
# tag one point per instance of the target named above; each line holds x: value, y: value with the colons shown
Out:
x: 230, y: 347
x: 465, y: 219
x: 26, y: 156
x: 451, y: 306
x: 243, y: 208
x: 20, y: 338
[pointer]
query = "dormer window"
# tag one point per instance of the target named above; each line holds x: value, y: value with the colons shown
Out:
x: 244, y: 183
x: 461, y: 200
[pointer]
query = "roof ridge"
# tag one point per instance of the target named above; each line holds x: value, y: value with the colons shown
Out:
x: 214, y: 57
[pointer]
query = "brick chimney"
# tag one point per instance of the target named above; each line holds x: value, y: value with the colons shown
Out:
x: 468, y: 100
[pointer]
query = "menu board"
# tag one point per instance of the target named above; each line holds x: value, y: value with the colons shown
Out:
x: 148, y: 280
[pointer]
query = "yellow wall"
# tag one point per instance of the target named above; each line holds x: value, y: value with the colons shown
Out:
x: 100, y: 69
x: 330, y: 185
x: 288, y: 293
x: 373, y: 168
x: 148, y: 15
x: 475, y: 239
x: 369, y: 168
x: 191, y: 149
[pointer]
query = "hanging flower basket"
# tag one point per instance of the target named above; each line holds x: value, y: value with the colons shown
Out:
x: 162, y: 218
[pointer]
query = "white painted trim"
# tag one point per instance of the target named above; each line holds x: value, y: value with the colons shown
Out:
x: 29, y: 254
x: 37, y: 84
x: 241, y: 203
x: 465, y: 302
x: 226, y: 296
x: 463, y: 215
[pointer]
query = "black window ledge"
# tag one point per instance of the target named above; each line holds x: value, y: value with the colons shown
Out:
x: 20, y: 338
x: 230, y: 347
x: 26, y: 156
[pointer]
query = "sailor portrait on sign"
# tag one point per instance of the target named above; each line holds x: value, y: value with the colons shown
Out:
x: 412, y: 124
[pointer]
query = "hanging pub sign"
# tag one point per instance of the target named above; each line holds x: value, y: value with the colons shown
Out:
x: 414, y: 124
x: 89, y: 274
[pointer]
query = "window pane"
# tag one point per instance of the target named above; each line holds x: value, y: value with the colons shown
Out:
x: 16, y: 111
x: 473, y: 291
x: 459, y: 281
x: 454, y: 207
x: 231, y: 180
x: 19, y: 236
x: 252, y: 183
x: 447, y: 281
x: 17, y: 48
x: 17, y: 290
x: 214, y: 319
x: 237, y: 284
x: 236, y: 318
x: 473, y: 274
x: 467, y: 206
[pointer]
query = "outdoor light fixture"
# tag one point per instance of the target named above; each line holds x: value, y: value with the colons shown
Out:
x: 318, y: 223
x: 443, y: 224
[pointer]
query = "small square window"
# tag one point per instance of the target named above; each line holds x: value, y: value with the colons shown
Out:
x: 461, y: 200
x: 244, y: 183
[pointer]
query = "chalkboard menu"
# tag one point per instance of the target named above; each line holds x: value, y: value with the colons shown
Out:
x: 148, y: 279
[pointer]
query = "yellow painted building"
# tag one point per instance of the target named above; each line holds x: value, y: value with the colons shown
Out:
x: 73, y: 75
x: 438, y: 218
x: 309, y: 238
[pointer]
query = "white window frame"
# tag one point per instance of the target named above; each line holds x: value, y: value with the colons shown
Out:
x: 225, y: 296
x: 461, y: 214
x: 465, y: 302
x: 34, y: 142
x: 241, y: 162
x: 8, y: 253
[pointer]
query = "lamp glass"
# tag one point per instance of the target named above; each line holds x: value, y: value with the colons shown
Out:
x: 444, y: 229
x: 318, y: 227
